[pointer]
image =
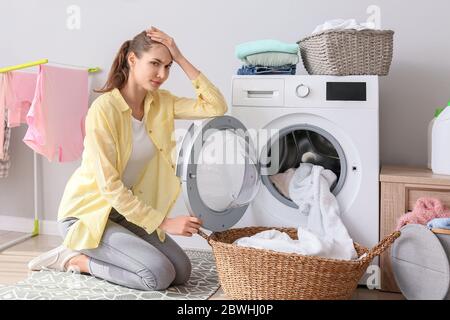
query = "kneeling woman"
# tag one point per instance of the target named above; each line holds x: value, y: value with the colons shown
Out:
x: 113, y: 213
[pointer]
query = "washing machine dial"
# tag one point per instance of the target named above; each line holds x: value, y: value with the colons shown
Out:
x: 302, y: 91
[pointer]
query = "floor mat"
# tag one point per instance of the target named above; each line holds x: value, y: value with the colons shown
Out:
x: 50, y: 285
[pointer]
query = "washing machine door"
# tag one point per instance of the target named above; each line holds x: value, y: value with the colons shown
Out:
x: 219, y: 169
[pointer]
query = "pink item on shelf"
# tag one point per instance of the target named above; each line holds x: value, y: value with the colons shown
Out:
x: 21, y: 87
x: 57, y: 114
x: 425, y: 209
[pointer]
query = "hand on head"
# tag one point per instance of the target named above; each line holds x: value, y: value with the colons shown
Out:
x: 161, y: 37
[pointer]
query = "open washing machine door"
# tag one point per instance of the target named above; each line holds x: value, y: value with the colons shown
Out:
x: 220, y: 172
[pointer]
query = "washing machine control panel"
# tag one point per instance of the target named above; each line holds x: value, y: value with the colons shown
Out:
x: 346, y: 91
x: 305, y: 91
x: 302, y: 91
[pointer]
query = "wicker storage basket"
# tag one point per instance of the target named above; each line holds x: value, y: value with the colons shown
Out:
x: 248, y: 273
x: 348, y: 52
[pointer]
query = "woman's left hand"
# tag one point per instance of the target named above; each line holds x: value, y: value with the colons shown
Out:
x: 159, y: 36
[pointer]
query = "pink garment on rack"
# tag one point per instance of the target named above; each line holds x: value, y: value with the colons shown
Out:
x: 17, y: 90
x: 57, y: 114
x: 425, y: 210
x: 21, y: 87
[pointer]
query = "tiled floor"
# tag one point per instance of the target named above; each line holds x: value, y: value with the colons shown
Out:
x: 13, y: 264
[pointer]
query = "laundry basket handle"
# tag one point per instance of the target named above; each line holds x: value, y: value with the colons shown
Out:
x: 203, y: 235
x: 382, y: 245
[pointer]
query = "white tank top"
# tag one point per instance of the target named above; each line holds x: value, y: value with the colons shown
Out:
x: 142, y: 151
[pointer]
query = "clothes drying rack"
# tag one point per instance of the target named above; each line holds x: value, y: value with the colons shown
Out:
x: 35, y: 230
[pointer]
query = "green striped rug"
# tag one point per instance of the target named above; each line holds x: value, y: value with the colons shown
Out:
x: 50, y: 285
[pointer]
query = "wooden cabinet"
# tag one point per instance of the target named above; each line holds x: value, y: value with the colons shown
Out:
x: 400, y: 188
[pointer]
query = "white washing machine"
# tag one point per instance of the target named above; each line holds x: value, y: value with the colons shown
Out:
x: 277, y: 123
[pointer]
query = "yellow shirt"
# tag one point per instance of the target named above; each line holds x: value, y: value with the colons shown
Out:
x: 96, y: 186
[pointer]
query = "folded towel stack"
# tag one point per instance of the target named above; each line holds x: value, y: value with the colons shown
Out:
x: 267, y: 57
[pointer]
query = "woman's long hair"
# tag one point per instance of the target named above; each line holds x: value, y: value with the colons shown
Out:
x: 118, y: 74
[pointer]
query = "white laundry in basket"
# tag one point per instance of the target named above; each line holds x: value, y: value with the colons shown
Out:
x: 341, y: 24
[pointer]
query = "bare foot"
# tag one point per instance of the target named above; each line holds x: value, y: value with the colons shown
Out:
x: 81, y: 262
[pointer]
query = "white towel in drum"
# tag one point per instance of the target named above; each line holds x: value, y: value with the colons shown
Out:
x: 310, y: 190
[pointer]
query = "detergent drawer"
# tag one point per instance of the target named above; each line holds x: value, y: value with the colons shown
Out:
x: 258, y: 92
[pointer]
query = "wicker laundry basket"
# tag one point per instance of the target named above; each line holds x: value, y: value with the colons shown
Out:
x: 348, y: 52
x: 248, y: 273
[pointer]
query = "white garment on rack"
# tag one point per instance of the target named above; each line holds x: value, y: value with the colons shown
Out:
x: 341, y: 24
x: 142, y: 152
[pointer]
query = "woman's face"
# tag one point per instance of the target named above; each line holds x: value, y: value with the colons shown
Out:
x: 152, y: 68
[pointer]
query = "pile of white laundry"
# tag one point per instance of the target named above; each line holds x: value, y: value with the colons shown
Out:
x: 341, y: 24
x: 325, y: 235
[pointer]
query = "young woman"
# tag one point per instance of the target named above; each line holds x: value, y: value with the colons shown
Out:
x: 113, y: 213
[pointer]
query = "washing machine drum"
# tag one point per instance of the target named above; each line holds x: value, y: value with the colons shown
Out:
x: 306, y: 146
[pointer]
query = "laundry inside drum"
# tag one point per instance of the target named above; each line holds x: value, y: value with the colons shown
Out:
x: 302, y: 146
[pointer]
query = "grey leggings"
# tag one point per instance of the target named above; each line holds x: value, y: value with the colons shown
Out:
x: 127, y: 255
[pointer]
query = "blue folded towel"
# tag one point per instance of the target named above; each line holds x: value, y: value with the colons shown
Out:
x: 439, y: 223
x: 244, y: 49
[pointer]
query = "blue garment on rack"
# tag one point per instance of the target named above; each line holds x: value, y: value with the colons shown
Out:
x: 257, y: 70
